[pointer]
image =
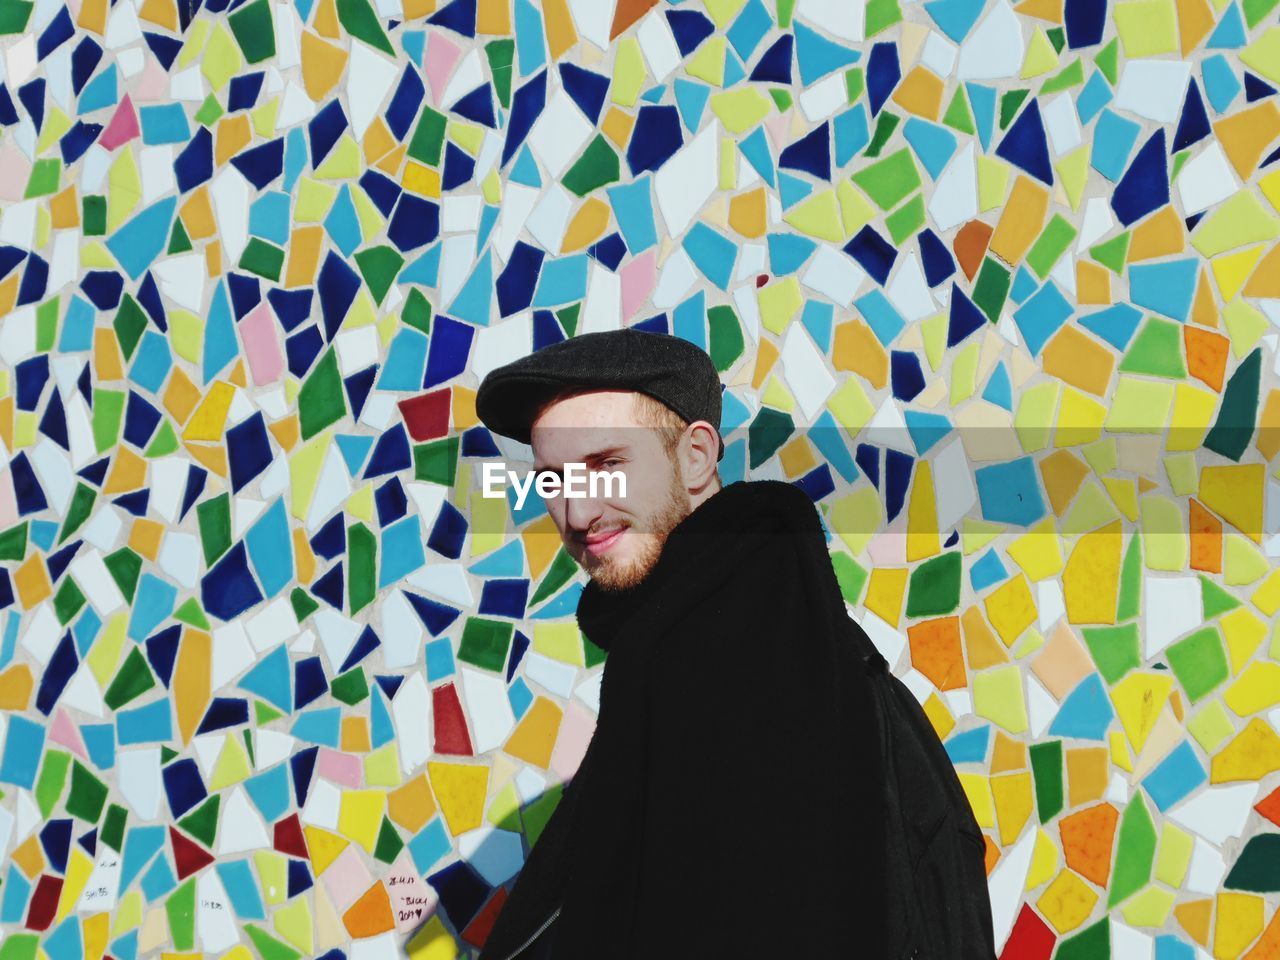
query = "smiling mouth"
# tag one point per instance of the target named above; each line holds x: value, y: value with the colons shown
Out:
x: 600, y: 544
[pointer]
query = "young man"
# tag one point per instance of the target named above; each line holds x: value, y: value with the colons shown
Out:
x: 731, y: 801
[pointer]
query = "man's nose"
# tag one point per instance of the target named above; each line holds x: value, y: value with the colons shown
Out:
x: 580, y: 513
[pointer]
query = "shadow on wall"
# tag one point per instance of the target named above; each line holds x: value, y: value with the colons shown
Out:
x: 464, y: 898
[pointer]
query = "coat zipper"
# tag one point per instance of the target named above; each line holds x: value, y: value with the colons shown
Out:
x: 534, y: 936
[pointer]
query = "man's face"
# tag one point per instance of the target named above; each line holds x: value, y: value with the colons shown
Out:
x: 616, y: 539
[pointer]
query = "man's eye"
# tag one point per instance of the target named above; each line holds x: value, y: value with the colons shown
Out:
x: 611, y: 460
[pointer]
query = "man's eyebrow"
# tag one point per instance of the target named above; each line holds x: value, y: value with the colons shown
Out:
x: 608, y: 452
x: 595, y: 455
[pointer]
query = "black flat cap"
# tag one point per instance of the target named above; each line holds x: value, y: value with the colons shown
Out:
x: 668, y: 368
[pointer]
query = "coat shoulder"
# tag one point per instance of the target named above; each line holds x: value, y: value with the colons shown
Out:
x: 790, y: 503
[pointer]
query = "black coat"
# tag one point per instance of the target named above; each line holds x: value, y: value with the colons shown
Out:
x: 730, y: 803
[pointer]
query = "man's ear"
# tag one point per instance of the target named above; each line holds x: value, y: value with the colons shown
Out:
x: 699, y: 449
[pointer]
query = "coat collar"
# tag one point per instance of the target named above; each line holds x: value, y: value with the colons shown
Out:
x: 697, y: 554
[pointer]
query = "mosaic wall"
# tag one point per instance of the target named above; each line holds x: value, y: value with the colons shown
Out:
x: 995, y: 284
